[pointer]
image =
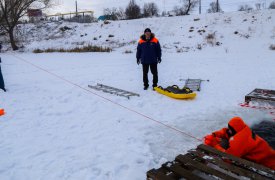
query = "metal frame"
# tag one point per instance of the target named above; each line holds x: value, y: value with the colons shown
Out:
x: 113, y: 90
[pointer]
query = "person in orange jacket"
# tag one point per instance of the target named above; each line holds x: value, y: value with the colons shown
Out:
x: 239, y: 140
x: 2, y: 112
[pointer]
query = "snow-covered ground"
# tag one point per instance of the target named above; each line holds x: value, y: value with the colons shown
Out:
x: 56, y: 130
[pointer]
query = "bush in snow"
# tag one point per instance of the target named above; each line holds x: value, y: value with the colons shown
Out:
x: 214, y: 8
x: 150, y: 9
x: 199, y: 47
x: 272, y: 47
x: 114, y: 13
x: 105, y: 22
x: 89, y: 48
x: 128, y: 51
x: 211, y: 38
x: 65, y: 28
x: 246, y: 8
x: 272, y: 5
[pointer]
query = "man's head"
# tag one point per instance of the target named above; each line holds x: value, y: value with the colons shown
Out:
x: 147, y: 33
x: 235, y: 125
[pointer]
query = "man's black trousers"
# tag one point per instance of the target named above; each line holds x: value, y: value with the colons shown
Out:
x: 154, y: 71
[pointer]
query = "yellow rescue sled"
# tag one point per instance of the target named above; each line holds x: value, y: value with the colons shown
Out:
x: 175, y: 92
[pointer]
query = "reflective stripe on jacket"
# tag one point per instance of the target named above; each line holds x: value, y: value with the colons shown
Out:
x: 148, y: 50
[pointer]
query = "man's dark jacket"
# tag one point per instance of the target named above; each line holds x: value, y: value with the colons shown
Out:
x: 148, y: 51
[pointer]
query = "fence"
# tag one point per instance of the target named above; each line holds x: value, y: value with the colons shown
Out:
x: 80, y: 17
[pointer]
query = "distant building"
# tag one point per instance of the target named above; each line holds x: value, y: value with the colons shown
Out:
x: 104, y: 17
x: 101, y: 18
x: 35, y: 15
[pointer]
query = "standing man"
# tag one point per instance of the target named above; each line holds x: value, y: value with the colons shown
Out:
x: 2, y: 85
x: 149, y: 55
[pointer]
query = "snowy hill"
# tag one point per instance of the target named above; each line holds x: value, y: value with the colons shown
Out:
x: 55, y: 127
x: 176, y: 34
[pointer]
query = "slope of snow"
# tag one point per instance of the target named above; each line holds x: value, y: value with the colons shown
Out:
x: 173, y: 32
x: 55, y: 130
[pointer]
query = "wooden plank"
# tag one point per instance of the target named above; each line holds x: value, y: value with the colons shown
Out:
x: 158, y: 175
x: 226, y: 166
x: 181, y: 172
x: 245, y: 163
x: 187, y: 160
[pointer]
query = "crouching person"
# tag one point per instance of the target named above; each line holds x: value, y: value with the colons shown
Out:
x: 239, y: 140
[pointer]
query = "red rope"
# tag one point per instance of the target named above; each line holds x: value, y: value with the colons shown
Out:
x: 115, y: 103
x: 256, y: 107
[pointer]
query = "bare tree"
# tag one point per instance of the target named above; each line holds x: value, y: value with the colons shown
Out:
x: 132, y: 10
x: 258, y: 6
x: 13, y: 10
x: 179, y: 11
x: 245, y: 7
x: 214, y: 7
x: 272, y: 5
x: 120, y: 13
x: 150, y: 9
x: 188, y: 5
x: 114, y: 14
x: 110, y: 14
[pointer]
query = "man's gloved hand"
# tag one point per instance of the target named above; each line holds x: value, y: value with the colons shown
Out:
x: 211, y: 140
x: 208, y: 140
x: 159, y: 60
x: 138, y: 61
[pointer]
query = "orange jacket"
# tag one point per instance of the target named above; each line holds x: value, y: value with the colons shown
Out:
x: 2, y: 112
x: 246, y: 144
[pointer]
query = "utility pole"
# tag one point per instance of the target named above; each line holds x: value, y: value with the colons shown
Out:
x: 76, y: 10
x: 200, y: 7
x: 217, y: 5
x: 164, y: 6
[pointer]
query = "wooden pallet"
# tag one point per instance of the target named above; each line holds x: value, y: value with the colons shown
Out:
x: 261, y: 95
x: 206, y: 162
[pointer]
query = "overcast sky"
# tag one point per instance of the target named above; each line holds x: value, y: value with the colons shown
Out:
x: 98, y: 5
